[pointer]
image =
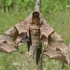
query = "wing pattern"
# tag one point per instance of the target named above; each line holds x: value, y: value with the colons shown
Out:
x: 54, y: 45
x: 10, y: 40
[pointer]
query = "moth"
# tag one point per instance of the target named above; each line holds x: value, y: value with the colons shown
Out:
x: 35, y: 31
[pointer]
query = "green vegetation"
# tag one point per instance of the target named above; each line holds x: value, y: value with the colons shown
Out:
x: 56, y: 12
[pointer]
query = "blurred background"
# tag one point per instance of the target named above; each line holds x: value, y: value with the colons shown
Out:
x: 56, y: 12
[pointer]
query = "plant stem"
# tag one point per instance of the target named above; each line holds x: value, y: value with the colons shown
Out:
x: 38, y: 6
x: 39, y: 58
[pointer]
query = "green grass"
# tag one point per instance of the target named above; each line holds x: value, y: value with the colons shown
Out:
x: 59, y: 20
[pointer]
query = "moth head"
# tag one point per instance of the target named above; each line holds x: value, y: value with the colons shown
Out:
x: 35, y: 14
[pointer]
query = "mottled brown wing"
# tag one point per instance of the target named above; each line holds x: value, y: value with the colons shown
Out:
x: 10, y: 40
x: 54, y: 45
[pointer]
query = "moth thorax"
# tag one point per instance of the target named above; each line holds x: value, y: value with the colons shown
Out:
x: 35, y: 32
